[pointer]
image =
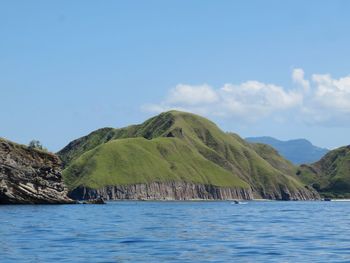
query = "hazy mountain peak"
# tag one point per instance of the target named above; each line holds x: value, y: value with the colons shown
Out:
x: 298, y: 151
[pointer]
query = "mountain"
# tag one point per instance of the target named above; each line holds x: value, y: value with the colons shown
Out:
x: 177, y: 155
x: 331, y: 175
x: 30, y: 176
x: 297, y: 151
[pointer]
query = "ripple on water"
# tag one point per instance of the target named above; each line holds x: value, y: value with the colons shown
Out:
x: 177, y: 232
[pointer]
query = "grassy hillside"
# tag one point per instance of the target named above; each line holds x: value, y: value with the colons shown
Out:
x: 77, y: 147
x: 274, y: 158
x: 151, y: 128
x: 138, y: 160
x: 198, y: 152
x: 330, y: 175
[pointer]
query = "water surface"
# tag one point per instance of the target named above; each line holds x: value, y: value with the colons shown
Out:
x: 177, y: 232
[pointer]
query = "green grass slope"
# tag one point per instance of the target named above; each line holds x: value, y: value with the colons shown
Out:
x: 331, y: 175
x: 138, y: 160
x: 270, y: 155
x: 150, y: 129
x: 96, y: 160
x: 77, y: 147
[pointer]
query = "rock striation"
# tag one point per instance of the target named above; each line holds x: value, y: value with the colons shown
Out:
x: 29, y: 176
x: 163, y: 191
x: 285, y: 194
x: 187, y: 191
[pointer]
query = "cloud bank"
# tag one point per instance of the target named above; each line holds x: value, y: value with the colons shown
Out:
x: 320, y: 99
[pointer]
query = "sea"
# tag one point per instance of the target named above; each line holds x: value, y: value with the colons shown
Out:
x: 171, y: 231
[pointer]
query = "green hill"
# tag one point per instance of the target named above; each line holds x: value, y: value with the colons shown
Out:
x: 178, y: 147
x: 331, y: 175
x: 139, y: 160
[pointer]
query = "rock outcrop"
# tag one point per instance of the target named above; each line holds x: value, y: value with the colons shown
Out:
x: 300, y: 194
x: 163, y: 191
x: 186, y: 191
x: 29, y: 176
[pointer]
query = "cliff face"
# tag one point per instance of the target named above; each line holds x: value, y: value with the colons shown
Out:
x: 163, y: 191
x: 285, y: 194
x: 185, y: 191
x: 29, y: 176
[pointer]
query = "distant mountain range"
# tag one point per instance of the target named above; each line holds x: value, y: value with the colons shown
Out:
x: 299, y: 151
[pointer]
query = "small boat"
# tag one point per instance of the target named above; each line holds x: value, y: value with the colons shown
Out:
x: 235, y: 202
x: 327, y: 199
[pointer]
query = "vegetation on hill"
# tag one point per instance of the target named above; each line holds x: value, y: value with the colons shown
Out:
x: 272, y: 156
x: 35, y: 144
x: 138, y: 160
x: 177, y: 146
x: 331, y: 175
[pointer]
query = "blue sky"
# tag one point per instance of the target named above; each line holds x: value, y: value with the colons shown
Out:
x: 278, y: 68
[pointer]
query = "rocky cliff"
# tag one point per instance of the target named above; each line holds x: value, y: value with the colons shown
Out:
x: 285, y: 194
x: 186, y: 191
x: 163, y: 191
x: 29, y: 176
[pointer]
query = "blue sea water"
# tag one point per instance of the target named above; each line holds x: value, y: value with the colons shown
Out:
x: 177, y: 232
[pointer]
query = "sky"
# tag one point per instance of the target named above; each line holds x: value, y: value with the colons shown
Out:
x: 256, y: 68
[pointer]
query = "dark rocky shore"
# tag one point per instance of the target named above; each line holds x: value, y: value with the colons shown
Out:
x: 30, y: 176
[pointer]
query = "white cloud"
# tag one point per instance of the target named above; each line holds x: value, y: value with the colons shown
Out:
x: 329, y: 100
x: 192, y: 95
x: 319, y: 100
x: 254, y: 96
x: 298, y: 77
x: 332, y: 94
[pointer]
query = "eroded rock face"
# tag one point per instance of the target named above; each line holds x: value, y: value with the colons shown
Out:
x: 186, y: 191
x: 163, y: 191
x: 29, y: 176
x: 284, y: 194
